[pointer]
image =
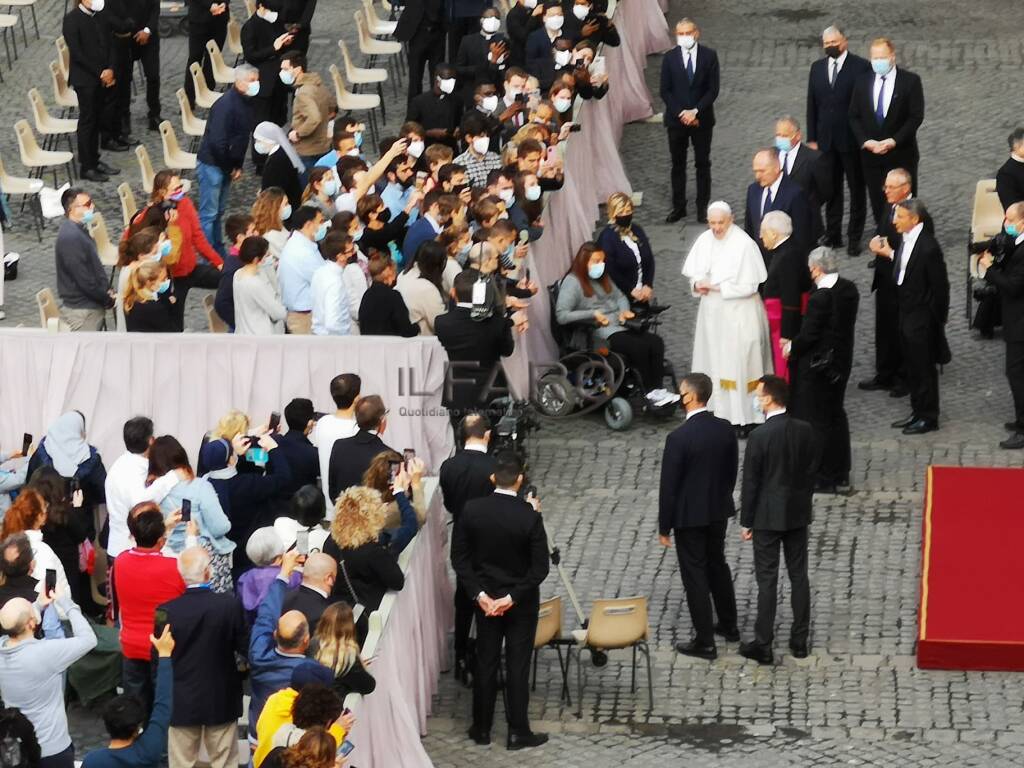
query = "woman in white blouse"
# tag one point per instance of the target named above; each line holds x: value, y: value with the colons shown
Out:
x: 421, y: 286
x: 258, y: 307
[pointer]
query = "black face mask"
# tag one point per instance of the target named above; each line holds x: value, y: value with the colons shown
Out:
x: 384, y: 216
x: 624, y: 221
x: 457, y: 188
x: 832, y: 51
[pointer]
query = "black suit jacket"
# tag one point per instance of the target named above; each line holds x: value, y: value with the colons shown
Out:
x: 201, y: 22
x: 828, y: 106
x: 698, y: 474
x: 1010, y: 182
x: 905, y: 115
x: 814, y: 176
x: 308, y: 602
x: 382, y: 311
x: 924, y: 296
x: 209, y: 629
x: 519, y: 23
x: 499, y: 547
x: 679, y: 93
x: 414, y: 19
x: 475, y: 348
x: 829, y: 325
x: 258, y: 36
x: 350, y: 458
x: 790, y: 199
x: 1008, y: 277
x: 89, y: 40
x: 884, y: 277
x: 302, y: 460
x: 472, y: 65
x: 778, y: 475
x: 788, y: 280
x: 620, y: 260
x: 465, y: 476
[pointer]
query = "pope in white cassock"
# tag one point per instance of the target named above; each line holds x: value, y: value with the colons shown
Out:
x: 731, y: 344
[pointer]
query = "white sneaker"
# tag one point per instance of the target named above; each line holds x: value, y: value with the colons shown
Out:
x: 3, y: 315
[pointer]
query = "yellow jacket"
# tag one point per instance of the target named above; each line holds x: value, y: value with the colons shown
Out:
x: 277, y: 712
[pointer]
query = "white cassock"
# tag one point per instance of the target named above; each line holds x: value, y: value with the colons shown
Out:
x: 731, y: 343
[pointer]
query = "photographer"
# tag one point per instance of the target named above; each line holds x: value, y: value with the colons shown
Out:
x: 1003, y: 262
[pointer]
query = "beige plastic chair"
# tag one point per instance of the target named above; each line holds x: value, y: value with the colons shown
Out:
x: 48, y: 310
x: 51, y: 128
x: 355, y: 102
x: 29, y: 190
x: 234, y: 38
x: 101, y: 236
x: 38, y: 159
x: 368, y: 45
x: 549, y: 635
x: 250, y: 7
x: 128, y: 205
x: 222, y: 73
x: 145, y: 168
x: 174, y: 155
x: 377, y: 25
x: 204, y: 96
x: 615, y: 624
x: 191, y: 125
x: 213, y: 320
x: 63, y: 95
x: 20, y: 5
x: 63, y: 56
x: 365, y: 76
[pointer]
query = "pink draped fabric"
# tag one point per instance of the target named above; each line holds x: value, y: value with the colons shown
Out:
x: 773, y: 308
x: 409, y: 658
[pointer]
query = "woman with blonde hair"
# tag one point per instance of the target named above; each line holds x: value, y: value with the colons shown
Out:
x: 229, y: 426
x: 338, y: 649
x: 316, y: 748
x: 269, y: 214
x: 628, y: 256
x: 145, y: 245
x: 148, y: 307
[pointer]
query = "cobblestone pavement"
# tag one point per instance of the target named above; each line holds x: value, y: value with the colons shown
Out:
x: 859, y: 699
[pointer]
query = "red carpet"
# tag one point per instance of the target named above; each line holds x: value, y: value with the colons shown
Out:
x: 972, y: 570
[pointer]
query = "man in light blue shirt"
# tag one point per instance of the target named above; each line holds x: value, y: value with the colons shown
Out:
x: 332, y: 315
x: 300, y: 258
x: 346, y: 140
x: 401, y: 186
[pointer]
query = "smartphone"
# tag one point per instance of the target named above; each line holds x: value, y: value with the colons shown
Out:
x: 409, y: 454
x: 186, y: 510
x: 530, y: 492
x: 275, y: 421
x: 394, y: 467
x: 552, y: 155
x: 346, y: 747
x: 159, y: 621
x: 51, y: 580
x: 302, y: 542
x: 26, y: 443
x: 253, y: 440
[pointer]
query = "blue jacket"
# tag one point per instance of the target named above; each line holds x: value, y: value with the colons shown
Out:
x: 419, y: 232
x: 224, y: 303
x: 228, y: 129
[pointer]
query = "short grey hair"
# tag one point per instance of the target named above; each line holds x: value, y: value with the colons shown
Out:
x: 771, y: 152
x: 824, y: 259
x: 903, y: 174
x: 915, y: 207
x: 777, y: 222
x: 791, y: 120
x: 194, y: 565
x: 264, y: 546
x: 833, y: 29
x: 244, y: 73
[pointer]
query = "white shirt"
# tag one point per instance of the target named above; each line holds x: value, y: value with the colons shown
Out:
x: 331, y: 313
x: 346, y: 201
x: 1020, y: 239
x: 773, y: 190
x: 787, y: 160
x: 828, y: 281
x: 125, y: 487
x: 776, y: 412
x: 631, y: 244
x: 300, y: 258
x: 690, y: 54
x: 328, y: 429
x: 506, y: 491
x: 475, y: 447
x: 356, y: 285
x: 433, y: 223
x: 695, y: 411
x: 909, y: 241
x: 889, y: 82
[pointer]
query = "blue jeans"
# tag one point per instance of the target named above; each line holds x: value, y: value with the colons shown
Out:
x: 213, y: 201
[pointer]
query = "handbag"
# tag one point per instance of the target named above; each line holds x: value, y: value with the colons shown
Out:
x: 357, y: 607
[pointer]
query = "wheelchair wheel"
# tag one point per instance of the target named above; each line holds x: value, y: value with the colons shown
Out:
x: 618, y: 414
x: 555, y: 395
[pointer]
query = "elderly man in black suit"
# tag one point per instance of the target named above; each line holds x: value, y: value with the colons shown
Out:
x: 464, y: 477
x: 922, y: 295
x: 351, y: 456
x: 886, y: 109
x: 689, y: 87
x: 829, y: 90
x: 775, y: 512
x: 807, y: 168
x: 209, y: 630
x: 772, y: 190
x: 1010, y: 177
x: 500, y: 553
x: 422, y: 28
x: 785, y: 290
x: 698, y: 474
x: 822, y: 354
x: 319, y: 573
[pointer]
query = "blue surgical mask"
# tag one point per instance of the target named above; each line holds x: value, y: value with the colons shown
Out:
x: 321, y: 233
x: 286, y: 212
x: 783, y: 144
x: 532, y: 193
x: 755, y: 401
x: 164, y: 287
x: 287, y: 77
x: 330, y: 187
x: 165, y: 248
x: 358, y: 135
x: 253, y: 88
x: 358, y: 233
x: 88, y: 216
x: 1012, y: 230
x: 881, y: 66
x: 463, y: 255
x: 596, y: 271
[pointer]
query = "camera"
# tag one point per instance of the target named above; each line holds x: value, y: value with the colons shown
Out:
x: 516, y: 421
x: 1000, y: 246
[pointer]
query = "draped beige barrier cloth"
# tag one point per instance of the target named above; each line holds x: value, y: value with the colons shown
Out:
x: 186, y: 382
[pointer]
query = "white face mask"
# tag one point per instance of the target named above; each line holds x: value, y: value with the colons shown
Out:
x: 756, y: 402
x: 686, y: 42
x: 563, y: 57
x: 562, y: 105
x: 507, y: 195
x: 264, y: 147
x: 531, y: 4
x: 554, y: 23
x: 415, y: 148
x: 447, y: 85
x: 97, y: 5
x: 581, y: 11
x: 481, y: 144
x: 490, y: 24
x: 489, y: 103
x: 268, y: 16
x: 532, y: 193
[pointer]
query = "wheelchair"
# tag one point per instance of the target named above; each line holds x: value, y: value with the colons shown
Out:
x: 585, y: 380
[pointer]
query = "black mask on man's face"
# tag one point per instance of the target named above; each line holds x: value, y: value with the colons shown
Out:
x: 833, y: 52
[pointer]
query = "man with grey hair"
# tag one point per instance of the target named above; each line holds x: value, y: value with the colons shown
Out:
x: 209, y: 630
x: 829, y: 90
x: 1010, y: 176
x: 805, y: 166
x: 314, y: 594
x: 823, y: 355
x: 222, y: 151
x: 784, y: 292
x: 772, y: 190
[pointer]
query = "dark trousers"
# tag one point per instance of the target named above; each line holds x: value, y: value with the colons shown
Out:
x: 1015, y: 375
x: 425, y: 50
x: 203, y: 276
x: 643, y: 351
x: 274, y: 108
x: 197, y: 52
x: 821, y: 404
x: 65, y: 759
x: 845, y: 164
x: 919, y: 355
x: 149, y: 55
x: 706, y: 578
x: 888, y: 348
x: 679, y: 138
x: 96, y: 115
x: 137, y: 680
x: 875, y: 171
x: 517, y: 627
x: 464, y: 607
x: 458, y: 28
x: 766, y: 570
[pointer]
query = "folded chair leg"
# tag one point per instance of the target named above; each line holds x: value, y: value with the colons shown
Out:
x: 21, y: 23
x: 380, y: 95
x: 579, y: 682
x: 563, y: 667
x: 650, y: 680
x: 632, y: 677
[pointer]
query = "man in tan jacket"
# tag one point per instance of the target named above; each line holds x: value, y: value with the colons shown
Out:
x: 312, y: 111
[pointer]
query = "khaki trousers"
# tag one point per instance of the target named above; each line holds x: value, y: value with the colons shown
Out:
x: 299, y: 322
x: 220, y: 741
x: 84, y: 319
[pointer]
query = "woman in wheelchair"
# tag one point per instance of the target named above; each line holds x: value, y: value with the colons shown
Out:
x: 587, y: 296
x: 629, y: 260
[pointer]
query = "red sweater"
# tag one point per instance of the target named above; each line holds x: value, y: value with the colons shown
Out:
x: 192, y: 239
x: 143, y: 579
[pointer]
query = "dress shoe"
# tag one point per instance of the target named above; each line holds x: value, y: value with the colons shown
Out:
x: 153, y: 123
x: 526, y: 740
x: 920, y: 427
x: 1013, y: 443
x: 1013, y: 426
x: 730, y: 634
x: 799, y: 650
x: 853, y: 248
x: 675, y: 215
x: 461, y: 672
x: 114, y: 145
x: 706, y: 652
x: 904, y: 422
x: 93, y: 174
x: 756, y: 652
x: 702, y: 218
x: 107, y: 169
x: 873, y: 384
x: 483, y: 739
x: 898, y: 390
x: 128, y: 139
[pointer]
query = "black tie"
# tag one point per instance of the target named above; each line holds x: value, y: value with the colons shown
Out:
x: 897, y: 257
